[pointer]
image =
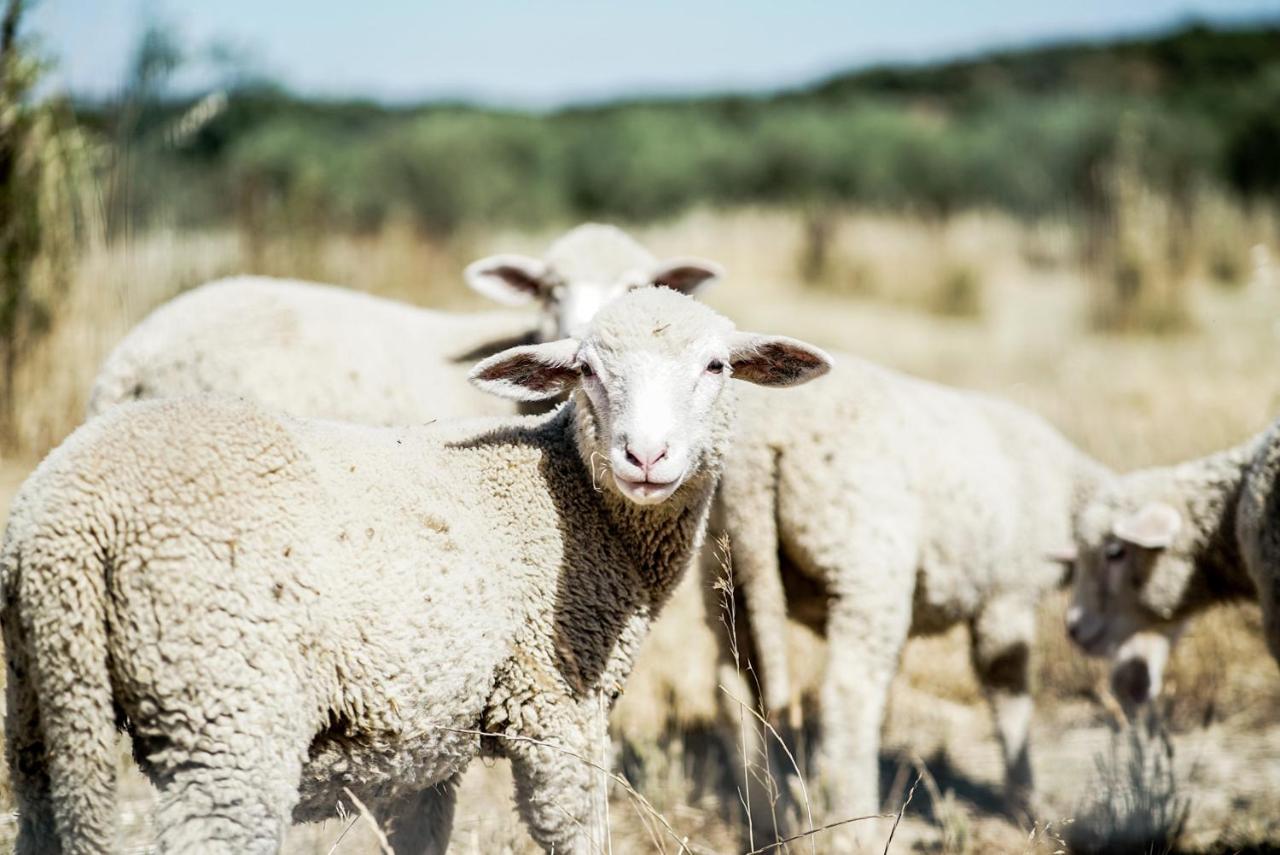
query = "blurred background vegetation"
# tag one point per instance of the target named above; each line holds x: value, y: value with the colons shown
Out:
x: 1143, y: 162
x: 1031, y: 131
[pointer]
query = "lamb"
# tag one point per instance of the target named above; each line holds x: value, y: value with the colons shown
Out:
x: 1157, y: 546
x: 872, y: 506
x: 278, y: 610
x: 326, y: 352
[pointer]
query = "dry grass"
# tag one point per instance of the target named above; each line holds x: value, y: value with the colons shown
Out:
x: 1130, y: 399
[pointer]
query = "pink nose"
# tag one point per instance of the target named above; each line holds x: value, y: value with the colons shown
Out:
x: 645, y: 459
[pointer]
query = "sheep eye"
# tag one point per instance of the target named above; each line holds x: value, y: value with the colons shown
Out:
x: 715, y: 366
x: 1114, y: 551
x: 586, y: 370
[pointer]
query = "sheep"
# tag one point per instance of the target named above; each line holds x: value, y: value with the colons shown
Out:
x: 871, y: 506
x: 1157, y: 546
x: 327, y: 352
x: 309, y: 350
x: 280, y: 610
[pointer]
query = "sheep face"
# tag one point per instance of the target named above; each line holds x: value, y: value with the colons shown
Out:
x: 648, y: 380
x: 1130, y: 568
x: 583, y: 271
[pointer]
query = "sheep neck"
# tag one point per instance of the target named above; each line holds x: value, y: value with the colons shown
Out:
x: 620, y: 568
x: 661, y: 538
x: 1213, y: 486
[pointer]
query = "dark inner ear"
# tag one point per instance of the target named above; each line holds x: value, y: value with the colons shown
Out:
x: 530, y: 373
x: 517, y: 279
x: 776, y: 363
x: 682, y: 277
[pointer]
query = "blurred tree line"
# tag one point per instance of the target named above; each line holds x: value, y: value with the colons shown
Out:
x: 45, y: 167
x: 1027, y: 131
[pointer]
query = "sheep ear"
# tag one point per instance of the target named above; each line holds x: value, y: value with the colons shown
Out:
x: 775, y: 360
x: 533, y: 372
x: 1153, y: 526
x: 686, y: 275
x: 508, y: 279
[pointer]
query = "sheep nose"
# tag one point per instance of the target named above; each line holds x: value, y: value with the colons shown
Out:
x: 1073, y: 630
x: 1081, y: 631
x: 645, y: 458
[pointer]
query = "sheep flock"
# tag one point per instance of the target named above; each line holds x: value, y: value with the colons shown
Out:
x: 313, y: 548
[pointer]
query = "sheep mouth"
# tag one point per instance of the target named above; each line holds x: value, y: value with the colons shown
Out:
x: 645, y: 491
x: 1095, y: 642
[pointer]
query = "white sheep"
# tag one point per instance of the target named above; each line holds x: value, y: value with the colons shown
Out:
x: 872, y: 506
x: 321, y: 351
x: 280, y: 610
x: 1157, y: 546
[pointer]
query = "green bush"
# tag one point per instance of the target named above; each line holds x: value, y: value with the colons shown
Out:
x: 1027, y: 131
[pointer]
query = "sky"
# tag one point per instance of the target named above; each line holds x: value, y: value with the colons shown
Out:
x: 544, y: 53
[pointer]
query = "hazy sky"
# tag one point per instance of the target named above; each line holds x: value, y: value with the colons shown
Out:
x: 544, y: 52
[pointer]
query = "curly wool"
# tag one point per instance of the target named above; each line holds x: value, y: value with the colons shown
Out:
x: 309, y: 350
x: 326, y: 352
x: 280, y: 609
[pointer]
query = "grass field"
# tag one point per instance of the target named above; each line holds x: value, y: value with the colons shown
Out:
x: 978, y: 301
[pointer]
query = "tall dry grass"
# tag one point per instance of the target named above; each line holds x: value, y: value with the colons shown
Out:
x: 112, y: 288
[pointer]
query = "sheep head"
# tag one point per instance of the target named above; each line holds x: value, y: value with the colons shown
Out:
x: 583, y: 270
x: 648, y: 381
x: 1131, y: 564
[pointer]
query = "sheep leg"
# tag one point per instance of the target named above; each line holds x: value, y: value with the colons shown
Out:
x: 868, y: 623
x: 1260, y: 538
x: 561, y: 783
x: 422, y: 821
x: 744, y: 737
x: 1002, y: 635
x: 224, y: 804
x: 28, y: 761
x: 61, y: 724
x: 750, y: 514
x: 228, y: 783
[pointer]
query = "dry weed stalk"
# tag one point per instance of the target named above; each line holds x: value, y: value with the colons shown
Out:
x: 725, y: 586
x: 902, y: 810
x: 373, y: 823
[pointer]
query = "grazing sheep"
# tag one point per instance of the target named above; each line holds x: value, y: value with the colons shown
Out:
x: 1157, y: 546
x: 320, y: 351
x: 872, y: 506
x: 278, y: 610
